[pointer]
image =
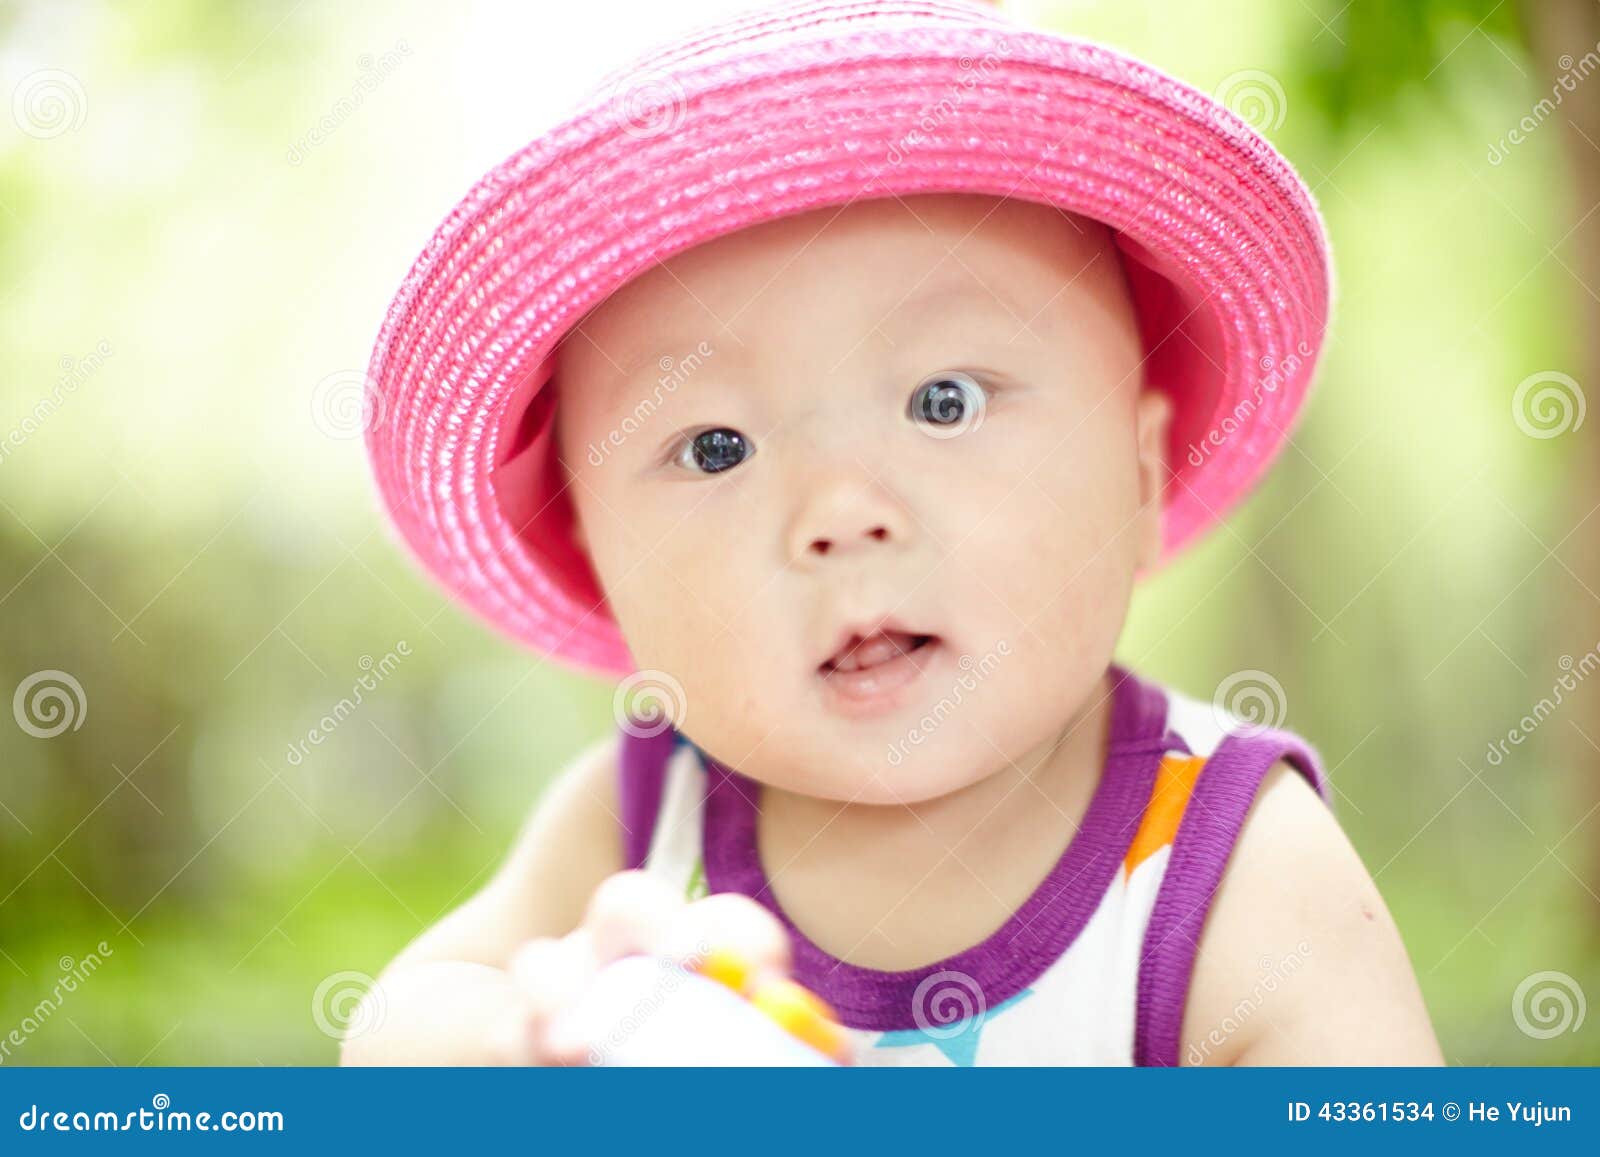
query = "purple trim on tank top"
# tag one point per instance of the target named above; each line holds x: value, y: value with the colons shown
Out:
x: 1030, y: 940
x: 1223, y: 793
x: 641, y: 773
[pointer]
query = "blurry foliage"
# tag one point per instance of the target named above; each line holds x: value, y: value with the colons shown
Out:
x: 1374, y: 51
x: 184, y: 539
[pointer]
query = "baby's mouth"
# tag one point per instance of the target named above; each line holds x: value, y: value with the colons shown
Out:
x: 864, y: 652
x: 875, y: 667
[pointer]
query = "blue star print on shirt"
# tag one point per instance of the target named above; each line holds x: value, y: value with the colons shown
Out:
x: 958, y: 1041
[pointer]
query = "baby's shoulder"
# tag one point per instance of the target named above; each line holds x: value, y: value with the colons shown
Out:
x: 1298, y: 950
x: 1262, y: 887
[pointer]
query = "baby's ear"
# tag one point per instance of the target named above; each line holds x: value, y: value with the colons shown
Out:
x: 566, y: 472
x: 580, y: 539
x: 1153, y: 419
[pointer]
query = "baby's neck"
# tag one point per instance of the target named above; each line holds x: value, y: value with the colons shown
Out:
x: 969, y: 858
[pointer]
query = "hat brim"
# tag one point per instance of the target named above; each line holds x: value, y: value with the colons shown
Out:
x: 1228, y: 261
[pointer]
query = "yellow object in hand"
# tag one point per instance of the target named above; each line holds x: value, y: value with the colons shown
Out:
x: 790, y: 1005
x: 802, y: 1014
x: 727, y: 968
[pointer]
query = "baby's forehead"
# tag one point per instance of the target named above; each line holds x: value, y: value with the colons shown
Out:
x: 869, y: 263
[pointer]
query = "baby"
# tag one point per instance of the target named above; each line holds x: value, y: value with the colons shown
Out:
x: 846, y: 459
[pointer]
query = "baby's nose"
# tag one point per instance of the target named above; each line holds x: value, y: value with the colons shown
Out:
x: 845, y: 520
x: 824, y: 545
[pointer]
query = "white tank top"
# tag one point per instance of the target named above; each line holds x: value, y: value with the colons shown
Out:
x: 1092, y: 969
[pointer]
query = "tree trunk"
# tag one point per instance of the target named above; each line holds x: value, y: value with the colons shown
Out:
x: 1560, y: 34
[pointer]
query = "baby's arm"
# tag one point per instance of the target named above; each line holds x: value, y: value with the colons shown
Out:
x: 1298, y: 912
x: 448, y: 997
x: 486, y: 985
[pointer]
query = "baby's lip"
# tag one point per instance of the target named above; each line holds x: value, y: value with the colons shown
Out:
x: 869, y: 643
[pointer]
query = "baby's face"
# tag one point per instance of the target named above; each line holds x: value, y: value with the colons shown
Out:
x: 871, y: 484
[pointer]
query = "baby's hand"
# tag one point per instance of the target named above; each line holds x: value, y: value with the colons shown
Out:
x: 630, y: 913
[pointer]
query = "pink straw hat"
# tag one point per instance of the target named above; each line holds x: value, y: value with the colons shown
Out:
x: 806, y: 105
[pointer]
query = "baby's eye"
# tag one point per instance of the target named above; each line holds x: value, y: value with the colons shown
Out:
x: 713, y: 451
x: 947, y: 404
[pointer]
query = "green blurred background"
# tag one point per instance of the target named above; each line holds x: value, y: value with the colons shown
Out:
x: 204, y: 211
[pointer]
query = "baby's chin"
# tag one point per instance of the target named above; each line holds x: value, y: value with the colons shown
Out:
x: 890, y: 775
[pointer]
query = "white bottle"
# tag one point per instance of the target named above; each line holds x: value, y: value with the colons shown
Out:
x: 645, y: 1010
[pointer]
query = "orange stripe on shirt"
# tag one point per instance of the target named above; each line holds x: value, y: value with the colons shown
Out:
x: 1174, y: 783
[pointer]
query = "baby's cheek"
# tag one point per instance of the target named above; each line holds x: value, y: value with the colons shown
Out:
x: 1060, y: 571
x: 687, y: 610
